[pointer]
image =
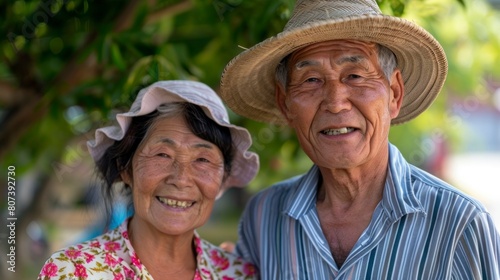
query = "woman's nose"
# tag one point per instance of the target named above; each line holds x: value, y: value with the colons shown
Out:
x: 180, y: 174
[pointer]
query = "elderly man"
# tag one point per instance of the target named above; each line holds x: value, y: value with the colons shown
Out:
x: 340, y: 74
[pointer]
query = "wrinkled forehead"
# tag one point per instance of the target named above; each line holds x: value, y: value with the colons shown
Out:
x: 335, y: 48
x: 337, y: 54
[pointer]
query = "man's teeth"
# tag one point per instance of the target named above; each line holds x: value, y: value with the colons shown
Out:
x: 175, y: 203
x: 342, y: 130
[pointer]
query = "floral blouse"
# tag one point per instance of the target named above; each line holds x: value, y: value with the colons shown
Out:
x: 111, y: 256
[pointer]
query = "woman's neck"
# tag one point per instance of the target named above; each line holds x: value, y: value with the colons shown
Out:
x: 162, y: 254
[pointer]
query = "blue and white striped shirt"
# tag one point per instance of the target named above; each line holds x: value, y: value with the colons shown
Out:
x: 422, y: 228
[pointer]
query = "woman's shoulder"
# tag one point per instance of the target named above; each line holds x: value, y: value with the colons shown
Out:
x: 110, y: 241
x: 100, y: 255
x: 217, y: 263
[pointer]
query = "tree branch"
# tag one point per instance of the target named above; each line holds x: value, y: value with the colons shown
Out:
x: 9, y: 95
x: 21, y: 118
x: 125, y: 19
x: 168, y: 12
x: 74, y: 72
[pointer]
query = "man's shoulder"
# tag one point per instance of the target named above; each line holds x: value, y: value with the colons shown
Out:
x: 428, y: 185
x: 271, y: 201
x: 279, y: 190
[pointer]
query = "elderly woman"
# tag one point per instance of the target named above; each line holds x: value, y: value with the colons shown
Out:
x: 176, y: 152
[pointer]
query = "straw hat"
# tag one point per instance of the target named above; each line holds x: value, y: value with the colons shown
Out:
x: 245, y: 163
x: 248, y: 81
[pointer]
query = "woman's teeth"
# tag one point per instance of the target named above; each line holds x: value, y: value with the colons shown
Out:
x: 175, y: 203
x: 338, y: 131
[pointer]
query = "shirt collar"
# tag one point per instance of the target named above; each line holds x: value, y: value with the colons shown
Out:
x: 398, y: 199
x: 303, y: 194
x: 205, y: 268
x: 399, y: 196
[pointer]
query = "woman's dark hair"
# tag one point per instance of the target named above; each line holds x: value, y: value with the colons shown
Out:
x: 118, y: 157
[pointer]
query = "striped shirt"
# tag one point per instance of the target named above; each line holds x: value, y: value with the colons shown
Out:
x: 422, y: 228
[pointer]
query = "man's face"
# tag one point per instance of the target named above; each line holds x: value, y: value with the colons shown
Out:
x: 340, y: 103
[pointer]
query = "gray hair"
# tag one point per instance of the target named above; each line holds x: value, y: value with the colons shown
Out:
x: 386, y: 60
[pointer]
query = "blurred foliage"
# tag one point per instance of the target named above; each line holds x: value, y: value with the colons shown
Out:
x: 68, y: 66
x: 469, y: 35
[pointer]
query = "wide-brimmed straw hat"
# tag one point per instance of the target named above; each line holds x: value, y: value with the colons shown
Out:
x: 248, y: 81
x: 245, y: 163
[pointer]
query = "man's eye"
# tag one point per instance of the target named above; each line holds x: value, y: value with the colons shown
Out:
x: 354, y: 76
x: 312, y: 80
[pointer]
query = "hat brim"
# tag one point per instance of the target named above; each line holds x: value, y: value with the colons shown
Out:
x: 248, y: 81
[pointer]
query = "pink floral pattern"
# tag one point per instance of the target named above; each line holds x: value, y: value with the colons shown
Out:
x: 219, y: 259
x: 111, y: 256
x: 50, y: 269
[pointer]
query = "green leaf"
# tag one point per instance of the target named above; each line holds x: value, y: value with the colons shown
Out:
x: 117, y: 57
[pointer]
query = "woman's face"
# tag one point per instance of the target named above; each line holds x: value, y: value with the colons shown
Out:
x: 175, y: 178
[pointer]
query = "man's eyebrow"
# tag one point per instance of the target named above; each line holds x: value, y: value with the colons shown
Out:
x: 304, y: 63
x: 350, y: 59
x: 339, y: 61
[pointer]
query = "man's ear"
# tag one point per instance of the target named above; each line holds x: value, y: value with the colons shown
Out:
x: 280, y: 96
x: 396, y: 93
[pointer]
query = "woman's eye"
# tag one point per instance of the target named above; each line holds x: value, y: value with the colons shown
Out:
x: 202, y: 160
x: 163, y: 155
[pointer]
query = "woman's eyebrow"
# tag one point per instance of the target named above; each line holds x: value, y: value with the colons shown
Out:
x: 167, y: 141
x: 171, y: 142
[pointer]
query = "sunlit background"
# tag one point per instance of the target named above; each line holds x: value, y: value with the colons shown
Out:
x: 68, y: 66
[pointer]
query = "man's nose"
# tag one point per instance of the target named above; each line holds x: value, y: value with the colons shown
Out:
x: 336, y: 97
